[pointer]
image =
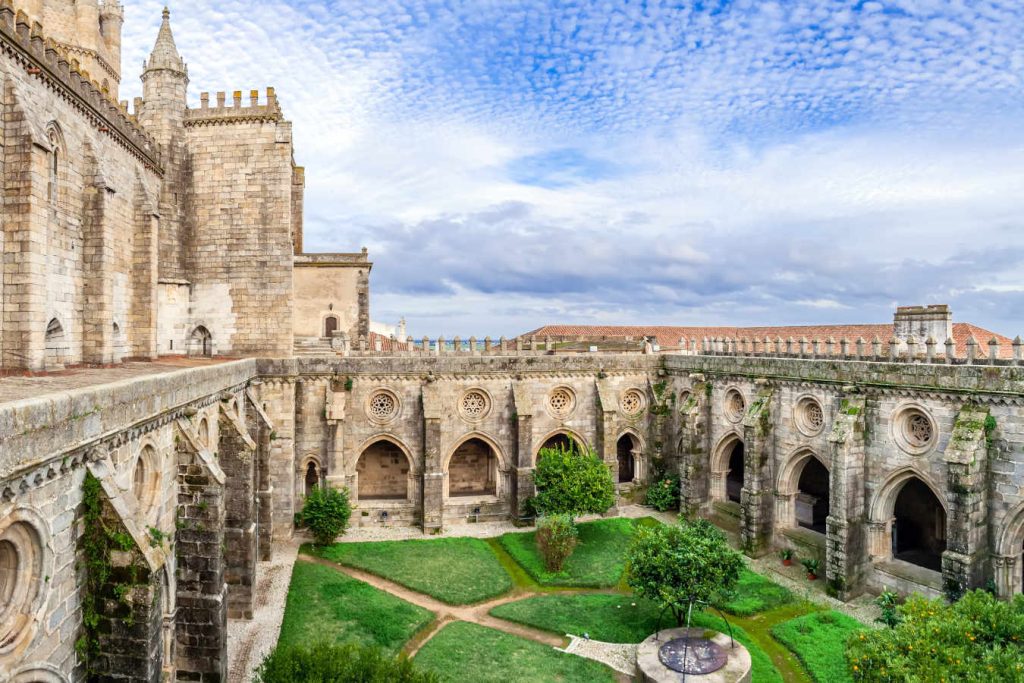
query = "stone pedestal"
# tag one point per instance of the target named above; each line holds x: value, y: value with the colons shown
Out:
x: 649, y: 668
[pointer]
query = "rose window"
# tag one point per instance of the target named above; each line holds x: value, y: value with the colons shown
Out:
x: 735, y: 406
x: 561, y: 402
x: 475, y: 405
x: 810, y: 417
x: 914, y: 430
x: 383, y: 406
x: 632, y: 402
x: 919, y: 430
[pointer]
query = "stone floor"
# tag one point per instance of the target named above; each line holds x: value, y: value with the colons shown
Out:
x: 17, y: 388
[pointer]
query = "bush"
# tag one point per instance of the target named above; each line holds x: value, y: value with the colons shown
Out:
x: 978, y: 639
x: 686, y: 563
x: 556, y: 539
x: 572, y: 483
x: 326, y: 514
x: 324, y: 663
x: 664, y: 495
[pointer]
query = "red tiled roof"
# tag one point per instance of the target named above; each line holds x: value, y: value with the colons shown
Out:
x: 668, y: 336
x: 388, y: 344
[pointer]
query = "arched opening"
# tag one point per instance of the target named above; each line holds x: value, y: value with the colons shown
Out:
x: 146, y: 480
x: 312, y: 477
x: 8, y: 576
x: 200, y: 342
x: 20, y: 581
x: 562, y: 441
x: 204, y: 433
x: 56, y: 345
x: 737, y: 470
x: 919, y: 530
x: 473, y: 470
x: 626, y: 451
x: 330, y: 325
x: 812, y: 499
x: 383, y: 472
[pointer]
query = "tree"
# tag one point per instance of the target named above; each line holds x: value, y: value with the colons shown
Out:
x: 677, y: 565
x: 323, y: 663
x: 326, y: 514
x: 572, y: 483
x: 978, y: 638
x: 557, y: 536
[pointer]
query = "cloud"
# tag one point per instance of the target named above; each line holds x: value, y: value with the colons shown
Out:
x: 515, y: 162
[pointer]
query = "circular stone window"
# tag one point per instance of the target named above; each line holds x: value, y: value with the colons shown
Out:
x: 561, y: 402
x: 21, y: 559
x: 475, y: 405
x: 810, y: 418
x: 735, y: 405
x: 914, y: 430
x: 633, y: 402
x: 382, y: 406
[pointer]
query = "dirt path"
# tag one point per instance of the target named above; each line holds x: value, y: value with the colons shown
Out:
x: 476, y: 614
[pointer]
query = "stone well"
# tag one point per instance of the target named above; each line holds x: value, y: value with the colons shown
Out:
x: 651, y: 669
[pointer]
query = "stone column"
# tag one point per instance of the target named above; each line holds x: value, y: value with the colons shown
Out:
x: 98, y: 253
x: 1006, y: 575
x: 694, y: 472
x: 433, y: 473
x: 756, y: 499
x: 524, y: 465
x: 142, y: 324
x: 202, y: 594
x: 237, y: 453
x: 966, y: 456
x: 845, y: 551
x: 607, y: 447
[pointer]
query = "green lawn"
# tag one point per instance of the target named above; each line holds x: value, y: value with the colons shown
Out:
x: 325, y: 605
x: 464, y: 652
x: 754, y: 594
x: 458, y: 571
x: 615, y: 619
x: 819, y: 641
x: 599, y: 559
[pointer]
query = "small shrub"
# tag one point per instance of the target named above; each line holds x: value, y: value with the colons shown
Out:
x: 812, y: 565
x: 664, y: 494
x: 572, y: 483
x: 326, y: 514
x: 325, y: 663
x: 889, y: 603
x: 557, y: 536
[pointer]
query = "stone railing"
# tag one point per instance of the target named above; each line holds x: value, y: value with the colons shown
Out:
x: 378, y: 345
x: 893, y: 351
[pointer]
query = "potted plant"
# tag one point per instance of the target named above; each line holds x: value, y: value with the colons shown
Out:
x: 787, y: 557
x: 812, y: 566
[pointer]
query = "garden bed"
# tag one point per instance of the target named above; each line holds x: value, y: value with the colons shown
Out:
x: 819, y: 641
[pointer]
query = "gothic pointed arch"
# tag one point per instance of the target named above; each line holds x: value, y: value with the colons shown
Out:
x: 565, y: 438
x: 384, y: 469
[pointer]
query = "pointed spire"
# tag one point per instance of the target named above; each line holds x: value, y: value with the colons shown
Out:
x: 165, y: 52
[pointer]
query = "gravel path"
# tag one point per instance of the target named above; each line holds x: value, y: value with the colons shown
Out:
x: 249, y: 641
x: 618, y: 656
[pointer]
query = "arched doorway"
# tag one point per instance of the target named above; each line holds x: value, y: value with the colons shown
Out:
x: 919, y: 528
x: 330, y: 325
x: 737, y: 470
x: 627, y: 450
x: 473, y: 470
x: 56, y: 345
x: 562, y: 441
x: 312, y: 477
x: 200, y: 342
x: 812, y: 499
x: 383, y: 472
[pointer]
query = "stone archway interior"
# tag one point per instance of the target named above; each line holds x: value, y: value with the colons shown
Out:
x: 919, y: 532
x: 812, y: 500
x: 330, y: 326
x: 383, y: 472
x: 200, y: 343
x: 312, y: 478
x: 473, y: 470
x: 627, y: 461
x: 737, y: 468
x: 561, y: 442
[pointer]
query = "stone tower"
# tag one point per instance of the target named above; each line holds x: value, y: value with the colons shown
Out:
x: 162, y: 113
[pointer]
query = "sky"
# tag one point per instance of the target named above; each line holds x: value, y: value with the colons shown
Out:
x: 515, y: 163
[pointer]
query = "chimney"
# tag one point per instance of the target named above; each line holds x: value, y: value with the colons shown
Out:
x: 934, y: 321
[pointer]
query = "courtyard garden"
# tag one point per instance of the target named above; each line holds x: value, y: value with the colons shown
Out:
x: 467, y: 609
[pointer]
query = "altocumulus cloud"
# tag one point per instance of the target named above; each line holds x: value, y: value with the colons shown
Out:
x: 514, y: 162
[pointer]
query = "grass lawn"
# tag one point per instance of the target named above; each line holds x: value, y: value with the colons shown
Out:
x: 458, y: 571
x: 754, y: 594
x: 468, y: 652
x: 819, y: 641
x: 614, y: 619
x: 326, y: 605
x: 599, y: 559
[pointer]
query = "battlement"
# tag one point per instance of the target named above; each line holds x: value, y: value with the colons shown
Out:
x: 42, y: 58
x: 236, y: 112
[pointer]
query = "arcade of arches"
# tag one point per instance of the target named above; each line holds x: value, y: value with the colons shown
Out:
x: 473, y: 470
x: 737, y: 470
x: 919, y: 527
x: 564, y: 442
x: 383, y: 472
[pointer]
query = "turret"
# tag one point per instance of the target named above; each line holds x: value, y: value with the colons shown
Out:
x: 111, y: 21
x: 87, y: 24
x: 164, y: 84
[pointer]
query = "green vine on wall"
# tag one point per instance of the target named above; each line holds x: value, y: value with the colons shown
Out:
x: 96, y: 544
